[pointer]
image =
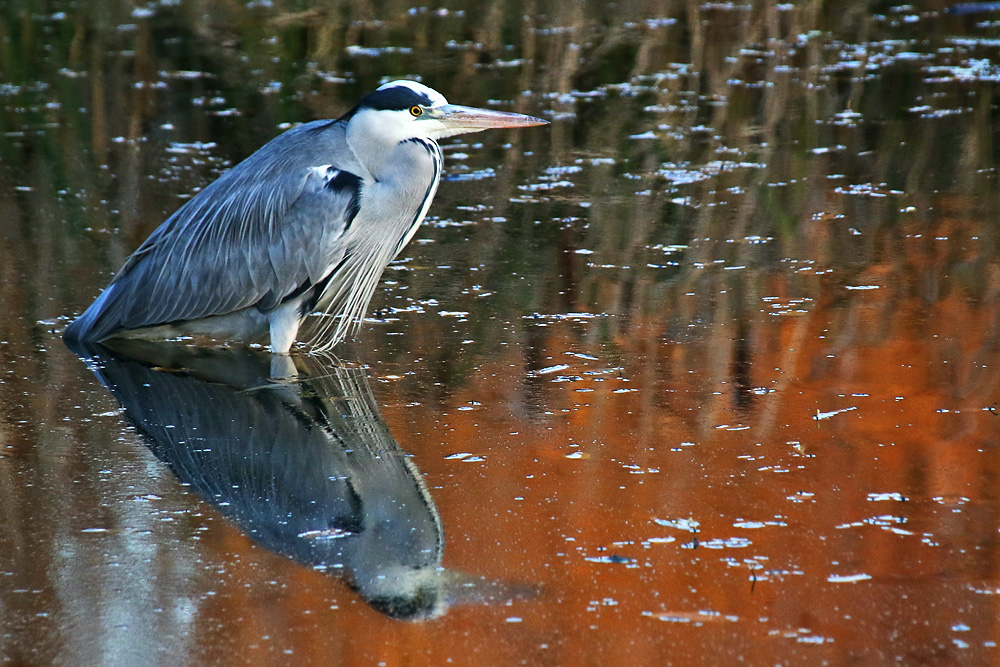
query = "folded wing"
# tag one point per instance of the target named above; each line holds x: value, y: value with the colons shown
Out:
x: 263, y: 232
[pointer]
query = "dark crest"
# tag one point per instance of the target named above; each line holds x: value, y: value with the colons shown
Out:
x: 395, y: 98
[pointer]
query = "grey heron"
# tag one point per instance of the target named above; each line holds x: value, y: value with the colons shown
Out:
x: 307, y: 223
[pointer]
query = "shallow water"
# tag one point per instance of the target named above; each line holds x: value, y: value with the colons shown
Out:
x: 701, y: 373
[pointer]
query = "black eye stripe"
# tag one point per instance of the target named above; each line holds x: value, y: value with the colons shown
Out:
x: 396, y: 98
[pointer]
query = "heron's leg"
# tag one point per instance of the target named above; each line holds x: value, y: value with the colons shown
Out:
x: 283, y: 368
x: 284, y: 321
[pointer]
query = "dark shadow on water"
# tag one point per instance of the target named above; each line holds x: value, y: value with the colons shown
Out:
x: 303, y: 463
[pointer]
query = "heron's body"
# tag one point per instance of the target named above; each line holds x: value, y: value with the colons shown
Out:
x: 306, y: 223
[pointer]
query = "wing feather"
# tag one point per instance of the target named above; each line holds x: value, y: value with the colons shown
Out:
x: 263, y: 231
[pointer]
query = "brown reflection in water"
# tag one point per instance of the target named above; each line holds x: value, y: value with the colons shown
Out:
x: 864, y: 457
x: 784, y: 218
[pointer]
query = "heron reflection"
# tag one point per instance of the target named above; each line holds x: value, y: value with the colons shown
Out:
x: 305, y: 465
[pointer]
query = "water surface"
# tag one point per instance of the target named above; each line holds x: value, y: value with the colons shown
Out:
x: 702, y: 373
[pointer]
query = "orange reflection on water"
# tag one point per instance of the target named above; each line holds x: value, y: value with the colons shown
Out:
x: 814, y: 480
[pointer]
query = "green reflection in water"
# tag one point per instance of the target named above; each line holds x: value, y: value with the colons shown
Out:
x: 678, y: 135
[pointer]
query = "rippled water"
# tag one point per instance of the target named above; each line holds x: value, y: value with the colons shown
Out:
x: 701, y: 373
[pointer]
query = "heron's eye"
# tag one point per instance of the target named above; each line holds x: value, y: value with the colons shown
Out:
x: 415, y: 111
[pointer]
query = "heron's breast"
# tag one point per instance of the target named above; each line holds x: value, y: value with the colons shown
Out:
x: 394, y: 204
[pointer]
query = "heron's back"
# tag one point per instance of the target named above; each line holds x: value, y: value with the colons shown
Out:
x: 237, y: 243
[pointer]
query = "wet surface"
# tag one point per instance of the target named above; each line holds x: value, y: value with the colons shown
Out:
x: 701, y: 373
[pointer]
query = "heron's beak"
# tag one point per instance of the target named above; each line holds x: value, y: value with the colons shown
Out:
x: 459, y: 120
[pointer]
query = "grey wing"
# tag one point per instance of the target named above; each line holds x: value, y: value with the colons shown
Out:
x: 259, y: 234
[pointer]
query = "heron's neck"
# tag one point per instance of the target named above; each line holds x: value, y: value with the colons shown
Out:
x: 384, y: 149
x: 409, y: 166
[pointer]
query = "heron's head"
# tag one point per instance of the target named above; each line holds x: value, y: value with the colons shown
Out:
x: 404, y: 110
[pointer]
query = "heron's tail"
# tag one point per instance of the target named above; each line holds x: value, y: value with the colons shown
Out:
x: 91, y: 326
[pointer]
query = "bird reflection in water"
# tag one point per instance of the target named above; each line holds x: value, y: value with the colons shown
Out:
x: 304, y: 464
